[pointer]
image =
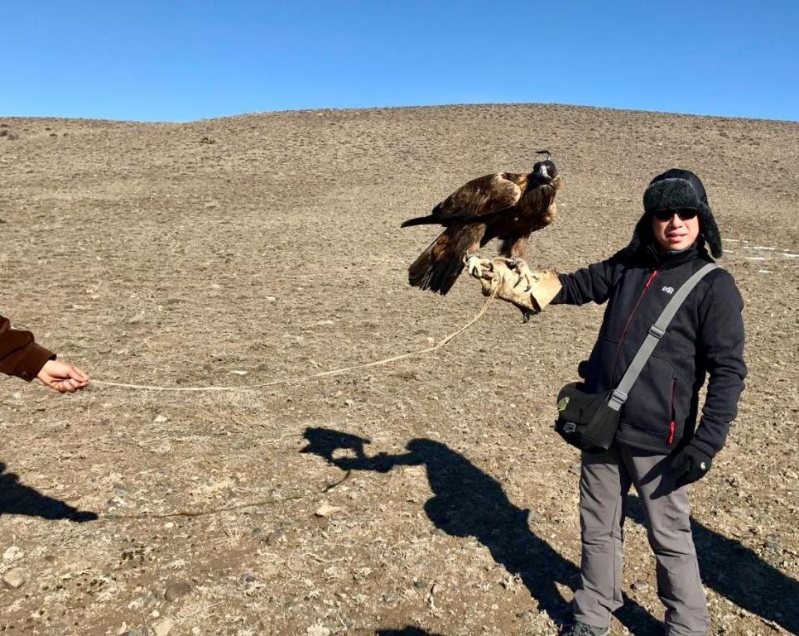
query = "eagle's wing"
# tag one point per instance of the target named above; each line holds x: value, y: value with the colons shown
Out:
x: 481, y: 197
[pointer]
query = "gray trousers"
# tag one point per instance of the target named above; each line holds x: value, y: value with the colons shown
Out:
x: 605, y: 481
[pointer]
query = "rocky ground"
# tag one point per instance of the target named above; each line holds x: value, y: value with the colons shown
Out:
x: 424, y: 496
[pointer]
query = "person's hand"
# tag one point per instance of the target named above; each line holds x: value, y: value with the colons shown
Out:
x: 63, y: 376
x: 690, y: 465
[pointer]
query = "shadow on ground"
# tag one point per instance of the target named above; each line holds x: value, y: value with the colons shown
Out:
x: 19, y: 499
x: 740, y: 575
x: 468, y: 502
x: 405, y: 631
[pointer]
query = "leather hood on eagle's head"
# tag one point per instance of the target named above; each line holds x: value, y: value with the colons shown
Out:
x: 673, y: 190
x: 544, y: 172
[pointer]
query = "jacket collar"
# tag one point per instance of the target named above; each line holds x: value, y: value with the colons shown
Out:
x: 654, y: 257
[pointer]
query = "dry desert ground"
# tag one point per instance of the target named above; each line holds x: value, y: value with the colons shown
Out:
x: 426, y: 496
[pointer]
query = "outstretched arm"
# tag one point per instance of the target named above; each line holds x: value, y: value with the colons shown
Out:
x: 590, y: 284
x: 22, y: 357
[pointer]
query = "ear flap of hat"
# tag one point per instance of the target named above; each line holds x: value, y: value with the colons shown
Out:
x: 642, y: 235
x: 709, y: 230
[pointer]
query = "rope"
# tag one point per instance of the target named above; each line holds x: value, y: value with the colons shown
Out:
x: 212, y: 511
x: 366, y: 365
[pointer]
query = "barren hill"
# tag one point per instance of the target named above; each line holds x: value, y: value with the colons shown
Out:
x: 433, y: 497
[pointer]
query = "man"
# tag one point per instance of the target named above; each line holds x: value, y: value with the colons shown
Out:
x: 659, y: 449
x: 22, y: 357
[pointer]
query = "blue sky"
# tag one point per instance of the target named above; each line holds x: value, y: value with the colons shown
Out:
x: 179, y: 60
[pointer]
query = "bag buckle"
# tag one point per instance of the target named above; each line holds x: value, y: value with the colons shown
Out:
x: 617, y: 399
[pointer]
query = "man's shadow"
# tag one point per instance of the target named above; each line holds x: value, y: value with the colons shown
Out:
x: 18, y: 499
x: 738, y: 574
x: 468, y: 502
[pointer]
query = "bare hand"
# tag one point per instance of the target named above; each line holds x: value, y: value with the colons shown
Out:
x: 63, y: 376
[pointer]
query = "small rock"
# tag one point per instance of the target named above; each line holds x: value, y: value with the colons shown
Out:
x: 175, y: 590
x: 325, y: 510
x: 164, y: 627
x: 773, y: 543
x: 639, y: 586
x: 276, y: 536
x: 270, y: 299
x: 349, y: 403
x: 13, y: 553
x: 575, y: 468
x: 419, y: 585
x: 15, y: 578
x: 237, y: 372
x: 160, y: 419
x: 317, y: 630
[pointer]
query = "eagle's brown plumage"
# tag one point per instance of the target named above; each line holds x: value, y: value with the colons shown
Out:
x: 507, y: 206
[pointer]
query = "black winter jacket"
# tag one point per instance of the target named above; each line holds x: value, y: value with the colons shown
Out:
x: 706, y: 337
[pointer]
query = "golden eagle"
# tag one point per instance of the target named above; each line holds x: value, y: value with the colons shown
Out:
x: 505, y: 205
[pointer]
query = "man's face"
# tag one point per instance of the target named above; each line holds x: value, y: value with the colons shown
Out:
x: 676, y: 232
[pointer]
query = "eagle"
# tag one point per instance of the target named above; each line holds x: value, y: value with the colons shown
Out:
x: 505, y: 205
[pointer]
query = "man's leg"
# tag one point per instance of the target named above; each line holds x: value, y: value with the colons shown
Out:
x: 604, y: 483
x: 669, y: 531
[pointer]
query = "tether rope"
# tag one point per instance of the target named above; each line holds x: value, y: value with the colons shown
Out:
x: 365, y: 365
x: 495, y: 288
x: 273, y: 501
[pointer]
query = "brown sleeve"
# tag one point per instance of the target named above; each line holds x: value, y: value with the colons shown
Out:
x: 19, y: 354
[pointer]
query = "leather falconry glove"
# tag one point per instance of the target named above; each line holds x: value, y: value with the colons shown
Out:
x: 690, y: 465
x: 530, y: 294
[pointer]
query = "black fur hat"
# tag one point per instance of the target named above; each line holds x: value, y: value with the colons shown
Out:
x: 672, y: 190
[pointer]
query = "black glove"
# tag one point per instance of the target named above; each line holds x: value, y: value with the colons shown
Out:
x: 690, y: 465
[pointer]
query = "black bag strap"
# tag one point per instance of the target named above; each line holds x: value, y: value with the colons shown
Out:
x: 619, y: 395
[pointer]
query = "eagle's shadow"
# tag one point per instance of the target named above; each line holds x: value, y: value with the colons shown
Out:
x: 468, y: 502
x: 18, y: 499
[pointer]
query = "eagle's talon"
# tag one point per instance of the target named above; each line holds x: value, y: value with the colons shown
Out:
x: 526, y: 276
x: 475, y: 264
x: 526, y: 315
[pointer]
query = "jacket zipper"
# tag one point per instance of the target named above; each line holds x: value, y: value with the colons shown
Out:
x: 672, y: 424
x: 629, y: 320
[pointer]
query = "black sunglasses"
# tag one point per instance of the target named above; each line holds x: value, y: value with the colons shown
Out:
x: 684, y: 214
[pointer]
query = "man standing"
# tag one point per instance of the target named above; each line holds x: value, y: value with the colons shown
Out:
x: 663, y: 443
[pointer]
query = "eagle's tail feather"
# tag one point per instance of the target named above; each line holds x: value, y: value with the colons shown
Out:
x: 436, y: 274
x: 420, y: 220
